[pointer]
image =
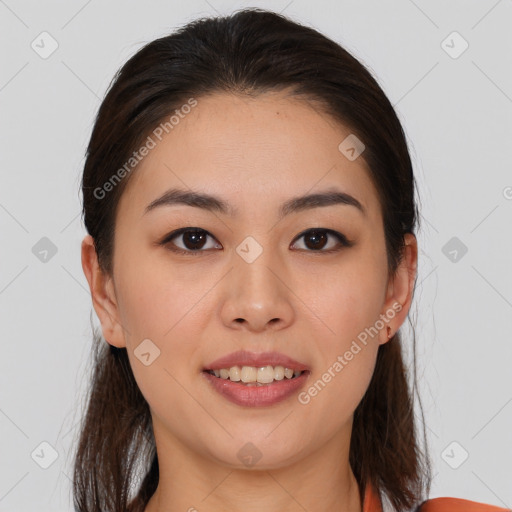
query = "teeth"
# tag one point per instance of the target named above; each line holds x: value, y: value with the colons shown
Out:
x: 249, y: 374
x: 234, y: 374
x: 265, y: 375
x: 278, y: 373
x: 253, y: 376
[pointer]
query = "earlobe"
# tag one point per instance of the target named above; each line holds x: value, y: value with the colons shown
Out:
x: 102, y: 294
x: 400, y: 289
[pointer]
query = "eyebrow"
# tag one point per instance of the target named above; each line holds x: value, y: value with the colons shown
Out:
x: 212, y: 203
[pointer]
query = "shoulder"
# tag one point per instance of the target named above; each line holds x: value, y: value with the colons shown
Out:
x: 457, y: 505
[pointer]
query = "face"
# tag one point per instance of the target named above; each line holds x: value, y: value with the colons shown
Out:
x: 309, y: 283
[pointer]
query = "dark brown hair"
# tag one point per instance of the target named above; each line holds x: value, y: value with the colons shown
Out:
x: 248, y: 53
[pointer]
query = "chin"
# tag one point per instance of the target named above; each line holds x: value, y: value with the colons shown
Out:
x: 258, y: 453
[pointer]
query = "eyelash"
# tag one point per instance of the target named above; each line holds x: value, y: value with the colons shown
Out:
x: 344, y: 242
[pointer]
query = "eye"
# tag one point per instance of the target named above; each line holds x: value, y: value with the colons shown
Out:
x: 193, y: 240
x: 316, y: 238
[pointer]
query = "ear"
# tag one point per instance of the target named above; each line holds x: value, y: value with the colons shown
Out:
x: 103, y: 295
x: 400, y: 290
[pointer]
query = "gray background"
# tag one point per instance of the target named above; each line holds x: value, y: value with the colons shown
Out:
x: 457, y: 114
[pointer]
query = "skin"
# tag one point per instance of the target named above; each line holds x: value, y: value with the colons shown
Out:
x: 294, y: 299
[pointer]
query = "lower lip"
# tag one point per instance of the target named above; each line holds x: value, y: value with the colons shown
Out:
x: 256, y: 396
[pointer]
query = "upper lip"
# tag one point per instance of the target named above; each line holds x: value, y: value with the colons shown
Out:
x: 246, y: 358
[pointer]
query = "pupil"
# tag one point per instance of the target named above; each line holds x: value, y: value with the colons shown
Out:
x: 317, y: 236
x: 197, y: 239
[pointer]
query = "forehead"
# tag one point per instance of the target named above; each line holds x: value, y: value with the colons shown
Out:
x: 251, y: 152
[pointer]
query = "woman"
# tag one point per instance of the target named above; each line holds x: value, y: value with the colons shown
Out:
x: 249, y: 202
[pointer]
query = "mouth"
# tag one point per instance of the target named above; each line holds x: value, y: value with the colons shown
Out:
x: 256, y: 379
x: 256, y: 376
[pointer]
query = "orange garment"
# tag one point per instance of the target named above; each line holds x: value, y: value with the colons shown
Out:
x: 373, y: 503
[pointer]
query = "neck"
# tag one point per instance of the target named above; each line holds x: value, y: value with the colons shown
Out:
x: 191, y: 482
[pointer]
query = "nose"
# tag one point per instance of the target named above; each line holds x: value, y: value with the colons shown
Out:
x: 255, y: 295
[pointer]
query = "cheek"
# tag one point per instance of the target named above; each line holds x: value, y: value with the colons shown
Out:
x: 158, y: 298
x: 349, y: 299
x: 350, y: 350
x: 352, y: 300
x: 162, y: 305
x: 345, y: 357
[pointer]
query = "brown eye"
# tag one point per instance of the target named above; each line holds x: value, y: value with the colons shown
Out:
x: 194, y: 240
x: 315, y: 240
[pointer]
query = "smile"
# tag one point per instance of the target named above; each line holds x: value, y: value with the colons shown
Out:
x: 253, y: 393
x: 253, y: 376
